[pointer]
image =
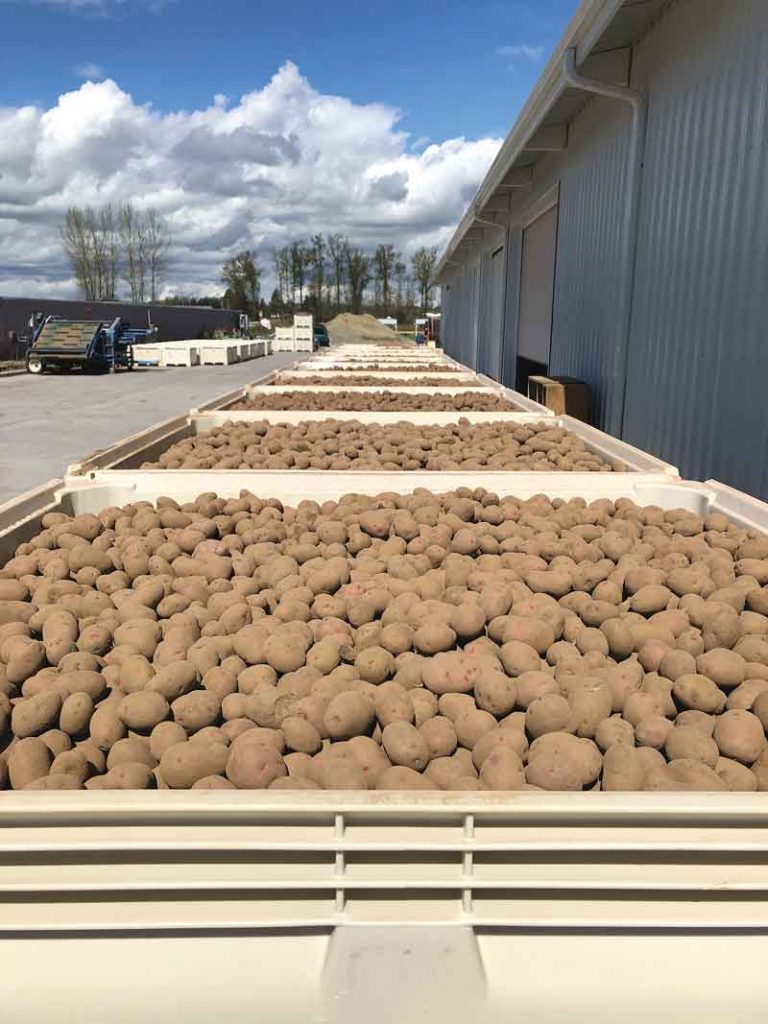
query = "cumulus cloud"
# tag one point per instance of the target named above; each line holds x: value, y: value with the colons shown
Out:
x: 282, y: 162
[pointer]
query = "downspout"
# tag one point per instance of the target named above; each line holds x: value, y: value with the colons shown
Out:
x: 630, y: 225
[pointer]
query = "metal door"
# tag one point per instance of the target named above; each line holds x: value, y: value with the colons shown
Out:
x: 537, y: 285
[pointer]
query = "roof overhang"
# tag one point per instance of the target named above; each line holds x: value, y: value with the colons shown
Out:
x: 602, y: 33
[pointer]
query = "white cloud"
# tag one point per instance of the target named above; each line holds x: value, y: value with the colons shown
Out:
x: 520, y: 51
x: 282, y: 162
x: 94, y: 6
x: 90, y: 72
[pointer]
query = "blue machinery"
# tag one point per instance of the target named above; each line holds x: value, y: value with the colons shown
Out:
x: 89, y: 344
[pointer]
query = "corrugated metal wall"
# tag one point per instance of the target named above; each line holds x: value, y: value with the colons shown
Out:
x: 590, y: 252
x: 698, y: 361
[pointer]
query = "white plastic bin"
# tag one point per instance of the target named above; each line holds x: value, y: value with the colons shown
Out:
x: 127, y: 455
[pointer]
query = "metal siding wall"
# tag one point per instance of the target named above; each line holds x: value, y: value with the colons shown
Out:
x: 698, y: 363
x: 590, y: 251
x: 490, y: 299
x: 508, y: 375
x: 448, y: 309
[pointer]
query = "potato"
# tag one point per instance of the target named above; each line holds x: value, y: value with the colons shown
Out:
x: 737, y: 777
x: 25, y: 657
x: 127, y: 775
x: 689, y: 743
x: 440, y: 736
x: 60, y: 632
x: 132, y: 749
x: 349, y: 714
x: 725, y: 668
x: 174, y: 680
x: 28, y: 760
x: 424, y: 705
x: 739, y: 735
x: 253, y: 764
x: 559, y: 760
x: 471, y: 725
x: 502, y: 769
x: 495, y: 693
x: 183, y: 764
x: 392, y: 703
x: 694, y: 775
x: 196, y: 710
x: 34, y: 715
x: 143, y: 710
x: 375, y: 665
x: 213, y: 782
x: 300, y: 735
x: 165, y: 735
x: 106, y: 727
x: 623, y: 769
x: 73, y: 763
x: 548, y: 714
x: 400, y: 777
x: 453, y: 672
x: 75, y: 715
x: 614, y: 731
x: 698, y: 693
x: 405, y: 746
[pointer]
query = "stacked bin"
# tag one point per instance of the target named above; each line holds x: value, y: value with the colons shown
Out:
x: 367, y: 902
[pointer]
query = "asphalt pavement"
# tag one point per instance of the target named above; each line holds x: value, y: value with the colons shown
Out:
x: 50, y: 421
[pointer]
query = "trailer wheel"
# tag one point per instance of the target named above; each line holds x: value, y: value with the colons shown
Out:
x: 35, y: 365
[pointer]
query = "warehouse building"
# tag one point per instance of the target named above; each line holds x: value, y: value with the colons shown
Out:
x: 621, y: 235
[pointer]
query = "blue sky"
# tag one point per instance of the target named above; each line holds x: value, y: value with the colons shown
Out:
x: 442, y: 72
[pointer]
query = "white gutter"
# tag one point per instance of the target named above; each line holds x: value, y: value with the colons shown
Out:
x: 585, y: 28
x: 633, y: 185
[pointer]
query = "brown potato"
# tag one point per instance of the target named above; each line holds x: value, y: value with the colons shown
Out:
x: 28, y: 760
x: 405, y: 746
x: 183, y: 764
x: 560, y: 760
x: 143, y: 710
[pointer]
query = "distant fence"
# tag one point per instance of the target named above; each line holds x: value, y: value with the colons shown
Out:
x: 172, y: 322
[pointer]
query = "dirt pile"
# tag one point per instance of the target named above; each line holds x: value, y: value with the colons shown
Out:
x: 348, y: 328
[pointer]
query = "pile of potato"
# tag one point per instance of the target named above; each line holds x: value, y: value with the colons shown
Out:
x: 350, y: 444
x: 358, y: 366
x: 379, y: 401
x: 460, y: 641
x: 360, y: 380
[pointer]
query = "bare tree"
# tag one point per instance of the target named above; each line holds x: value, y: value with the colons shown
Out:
x: 337, y: 250
x: 298, y: 256
x: 157, y: 245
x: 90, y: 242
x: 316, y: 255
x: 75, y: 237
x: 384, y: 260
x: 358, y: 274
x: 134, y: 243
x: 423, y: 262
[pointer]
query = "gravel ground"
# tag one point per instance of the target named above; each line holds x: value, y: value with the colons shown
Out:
x: 50, y: 421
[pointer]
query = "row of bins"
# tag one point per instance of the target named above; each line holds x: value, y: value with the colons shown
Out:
x: 328, y: 905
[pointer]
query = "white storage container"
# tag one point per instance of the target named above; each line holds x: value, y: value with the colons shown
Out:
x: 149, y: 354
x: 219, y: 353
x: 127, y: 455
x: 336, y: 907
x: 185, y: 354
x: 351, y: 374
